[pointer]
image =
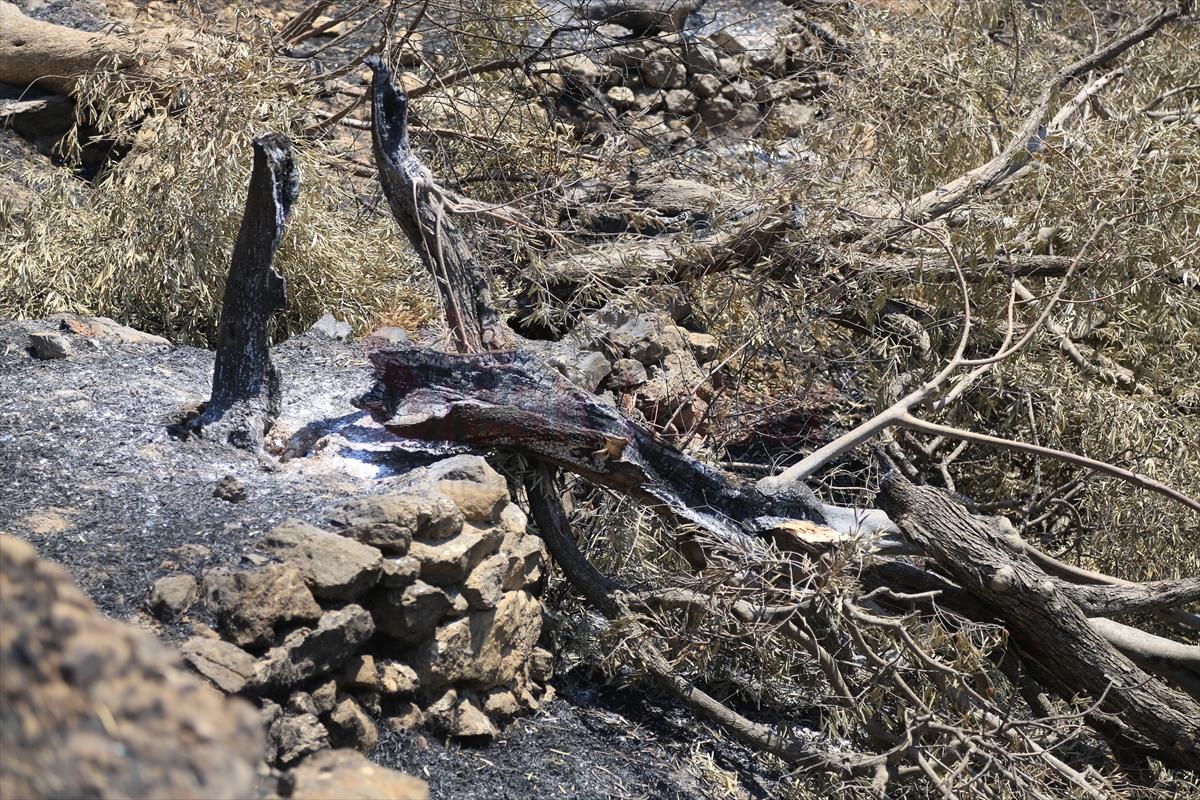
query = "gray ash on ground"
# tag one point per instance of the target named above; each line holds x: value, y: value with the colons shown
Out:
x: 594, y: 742
x: 89, y: 475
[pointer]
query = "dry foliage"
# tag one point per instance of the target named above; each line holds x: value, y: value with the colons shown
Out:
x: 921, y: 96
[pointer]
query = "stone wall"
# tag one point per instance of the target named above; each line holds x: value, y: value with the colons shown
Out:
x: 415, y: 608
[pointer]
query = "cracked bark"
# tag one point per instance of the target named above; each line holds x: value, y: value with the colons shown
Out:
x: 246, y: 394
x: 1054, y: 635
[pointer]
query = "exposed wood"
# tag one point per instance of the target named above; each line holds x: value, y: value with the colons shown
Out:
x: 52, y: 57
x: 246, y: 393
x: 1067, y: 654
x: 1106, y: 601
x: 419, y: 207
x: 509, y: 399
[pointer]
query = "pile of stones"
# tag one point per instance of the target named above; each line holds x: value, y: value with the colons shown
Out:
x: 411, y: 609
x: 672, y: 84
x: 655, y: 371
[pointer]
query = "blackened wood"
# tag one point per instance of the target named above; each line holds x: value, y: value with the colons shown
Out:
x: 509, y: 399
x: 1061, y: 648
x: 416, y: 203
x: 246, y: 393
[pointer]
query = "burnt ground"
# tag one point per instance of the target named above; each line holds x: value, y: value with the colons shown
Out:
x: 90, y: 476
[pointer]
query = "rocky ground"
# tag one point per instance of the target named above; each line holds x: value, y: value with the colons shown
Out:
x: 90, y: 476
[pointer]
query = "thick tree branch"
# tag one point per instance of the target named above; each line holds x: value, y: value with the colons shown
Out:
x: 1065, y: 650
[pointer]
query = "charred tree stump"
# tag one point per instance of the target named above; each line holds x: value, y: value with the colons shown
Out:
x: 418, y: 206
x: 246, y: 394
x: 1056, y: 641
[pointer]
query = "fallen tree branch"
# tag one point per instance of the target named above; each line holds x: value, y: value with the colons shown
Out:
x: 1029, y: 139
x: 52, y: 57
x: 1066, y: 652
x: 1106, y: 601
x: 554, y: 529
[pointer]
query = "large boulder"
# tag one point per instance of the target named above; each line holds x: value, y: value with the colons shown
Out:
x: 91, y: 707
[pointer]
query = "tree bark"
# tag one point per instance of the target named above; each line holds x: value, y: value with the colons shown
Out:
x: 1059, y: 645
x: 246, y: 394
x: 509, y: 399
x: 416, y: 203
x: 53, y: 57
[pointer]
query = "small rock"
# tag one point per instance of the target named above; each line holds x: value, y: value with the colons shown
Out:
x: 334, y: 567
x: 485, y: 585
x: 732, y: 41
x: 681, y: 102
x: 390, y: 522
x: 411, y: 614
x: 359, y: 673
x: 346, y: 774
x: 111, y: 329
x: 448, y: 562
x: 704, y: 346
x: 659, y: 74
x: 308, y: 653
x: 351, y: 726
x: 47, y: 345
x: 541, y: 664
x: 471, y: 723
x: 331, y: 328
x: 325, y: 697
x: 228, y: 666
x: 581, y: 68
x: 525, y: 558
x: 440, y: 714
x: 627, y: 56
x: 501, y: 704
x: 582, y: 367
x: 407, y: 717
x: 172, y: 595
x: 396, y: 573
x: 747, y: 116
x: 188, y: 553
x: 627, y: 374
x: 230, y: 489
x: 292, y: 738
x: 791, y: 118
x: 717, y: 111
x: 302, y: 703
x: 397, y: 678
x: 251, y: 605
x: 706, y: 86
x: 621, y: 97
x: 386, y: 337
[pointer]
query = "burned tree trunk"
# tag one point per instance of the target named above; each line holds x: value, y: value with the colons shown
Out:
x: 1054, y: 636
x: 417, y: 204
x: 246, y: 393
x: 508, y: 399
